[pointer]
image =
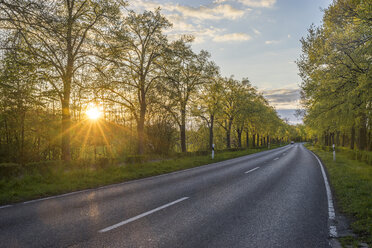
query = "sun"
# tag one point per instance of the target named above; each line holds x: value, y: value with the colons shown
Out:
x: 93, y: 113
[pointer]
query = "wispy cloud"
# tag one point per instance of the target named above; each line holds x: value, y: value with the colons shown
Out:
x: 270, y: 42
x: 257, y: 32
x: 258, y: 3
x: 283, y: 98
x: 214, y: 12
x: 232, y: 37
x: 197, y: 20
x: 251, y: 3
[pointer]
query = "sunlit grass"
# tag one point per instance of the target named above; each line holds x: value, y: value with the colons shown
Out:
x: 351, y: 181
x: 62, y: 178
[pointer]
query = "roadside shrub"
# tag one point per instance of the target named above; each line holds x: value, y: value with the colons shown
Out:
x: 135, y: 159
x: 8, y: 170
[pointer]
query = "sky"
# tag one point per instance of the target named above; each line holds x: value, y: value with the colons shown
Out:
x: 254, y: 39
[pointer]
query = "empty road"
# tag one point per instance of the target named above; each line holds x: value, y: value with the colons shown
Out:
x: 275, y: 198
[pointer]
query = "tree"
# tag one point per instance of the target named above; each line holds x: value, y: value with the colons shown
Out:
x: 208, y: 105
x: 59, y: 37
x: 335, y: 68
x: 134, y: 53
x: 185, y: 72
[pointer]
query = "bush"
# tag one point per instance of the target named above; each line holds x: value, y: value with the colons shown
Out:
x: 41, y: 167
x: 8, y: 170
x: 135, y: 159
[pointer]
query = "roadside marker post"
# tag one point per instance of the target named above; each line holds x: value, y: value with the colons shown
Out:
x: 212, y: 151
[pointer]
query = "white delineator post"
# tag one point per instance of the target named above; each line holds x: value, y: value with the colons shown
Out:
x: 212, y: 151
x: 334, y: 152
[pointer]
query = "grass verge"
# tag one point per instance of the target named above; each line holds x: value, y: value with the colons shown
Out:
x: 63, y: 178
x: 351, y: 182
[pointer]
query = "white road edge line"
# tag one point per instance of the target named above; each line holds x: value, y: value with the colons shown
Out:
x: 5, y: 206
x: 251, y: 170
x: 331, y: 210
x: 141, y: 215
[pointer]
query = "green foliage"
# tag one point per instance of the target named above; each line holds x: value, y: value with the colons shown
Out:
x: 158, y: 97
x: 336, y: 75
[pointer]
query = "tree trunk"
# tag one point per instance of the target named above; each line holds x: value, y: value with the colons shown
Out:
x: 183, y: 129
x: 258, y: 140
x: 66, y: 124
x: 254, y: 140
x: 247, y: 138
x: 362, y: 144
x: 352, y: 138
x: 228, y: 134
x: 211, y: 134
x: 343, y: 139
x: 239, y: 133
x: 22, y: 157
x: 141, y: 128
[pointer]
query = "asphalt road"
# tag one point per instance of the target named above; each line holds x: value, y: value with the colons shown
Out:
x: 275, y: 198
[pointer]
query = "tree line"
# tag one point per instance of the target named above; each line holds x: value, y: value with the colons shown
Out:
x: 157, y: 95
x: 335, y: 67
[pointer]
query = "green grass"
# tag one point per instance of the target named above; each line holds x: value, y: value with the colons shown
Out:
x: 62, y: 178
x: 351, y: 182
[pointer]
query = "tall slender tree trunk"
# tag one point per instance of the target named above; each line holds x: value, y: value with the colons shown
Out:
x: 247, y: 138
x: 141, y: 126
x: 343, y: 139
x: 239, y: 133
x: 258, y: 140
x: 66, y: 125
x: 183, y: 129
x: 352, y: 137
x: 254, y: 140
x: 362, y: 144
x: 211, y: 134
x: 22, y: 158
x: 337, y: 138
x: 228, y: 134
x: 67, y: 81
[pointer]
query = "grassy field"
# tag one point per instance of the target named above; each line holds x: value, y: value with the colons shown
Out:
x: 351, y: 182
x: 42, y: 181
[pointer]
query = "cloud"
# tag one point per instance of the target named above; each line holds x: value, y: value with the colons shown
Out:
x: 290, y: 115
x: 196, y: 20
x: 258, y: 3
x: 214, y: 12
x: 232, y: 37
x: 269, y: 42
x: 283, y: 98
x: 257, y: 32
